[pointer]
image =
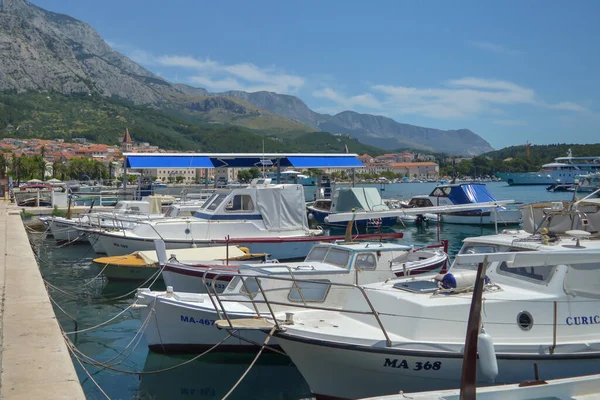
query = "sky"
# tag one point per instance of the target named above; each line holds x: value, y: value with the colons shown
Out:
x: 511, y: 71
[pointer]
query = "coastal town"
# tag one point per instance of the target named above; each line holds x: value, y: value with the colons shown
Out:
x: 406, y: 165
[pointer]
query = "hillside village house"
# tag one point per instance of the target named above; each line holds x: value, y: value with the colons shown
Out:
x: 421, y: 170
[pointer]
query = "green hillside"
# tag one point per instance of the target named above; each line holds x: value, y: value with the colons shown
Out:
x: 102, y: 120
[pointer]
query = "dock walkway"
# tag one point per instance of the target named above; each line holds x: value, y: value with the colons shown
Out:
x: 35, y: 360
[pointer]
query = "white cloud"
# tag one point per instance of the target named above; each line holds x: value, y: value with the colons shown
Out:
x: 496, y: 48
x: 458, y: 98
x: 362, y: 100
x: 568, y: 106
x: 214, y: 75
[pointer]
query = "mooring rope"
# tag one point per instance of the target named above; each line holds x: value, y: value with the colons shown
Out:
x: 265, y: 343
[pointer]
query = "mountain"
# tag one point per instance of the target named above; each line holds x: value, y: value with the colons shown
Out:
x: 48, y: 52
x: 42, y: 51
x: 374, y: 130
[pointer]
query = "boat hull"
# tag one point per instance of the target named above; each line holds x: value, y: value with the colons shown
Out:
x: 501, y: 217
x: 351, y: 372
x: 319, y: 216
x: 181, y: 328
x: 278, y: 248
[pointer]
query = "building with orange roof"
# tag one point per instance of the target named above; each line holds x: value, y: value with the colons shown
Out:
x: 426, y: 169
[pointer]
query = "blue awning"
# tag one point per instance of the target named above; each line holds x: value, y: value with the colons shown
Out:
x: 174, y: 161
x: 325, y: 162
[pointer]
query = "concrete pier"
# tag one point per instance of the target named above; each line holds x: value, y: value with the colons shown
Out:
x: 35, y: 360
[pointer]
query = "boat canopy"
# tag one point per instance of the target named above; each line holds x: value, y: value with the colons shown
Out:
x: 282, y: 207
x: 363, y: 198
x: 470, y: 193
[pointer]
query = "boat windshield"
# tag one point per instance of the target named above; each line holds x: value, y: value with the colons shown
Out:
x: 215, y: 201
x: 476, y: 249
x: 338, y: 257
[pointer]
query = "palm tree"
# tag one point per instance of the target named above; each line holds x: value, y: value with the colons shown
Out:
x: 58, y: 169
x: 3, y: 165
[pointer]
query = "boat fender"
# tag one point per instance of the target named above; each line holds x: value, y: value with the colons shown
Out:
x: 311, y: 216
x: 488, y: 364
x: 458, y: 280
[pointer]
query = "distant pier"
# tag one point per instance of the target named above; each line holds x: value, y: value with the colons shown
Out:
x: 35, y: 360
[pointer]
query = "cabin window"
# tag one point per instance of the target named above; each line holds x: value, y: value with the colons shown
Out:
x: 533, y: 274
x: 365, y: 262
x: 240, y: 202
x: 134, y: 209
x: 250, y: 288
x: 337, y: 257
x: 312, y: 292
x: 317, y: 254
x: 420, y: 203
x: 441, y: 192
x: 216, y: 202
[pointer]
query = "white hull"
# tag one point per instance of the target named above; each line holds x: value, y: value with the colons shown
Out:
x: 96, y: 244
x: 174, y: 327
x: 64, y: 231
x: 115, y: 246
x: 350, y: 373
x: 503, y: 217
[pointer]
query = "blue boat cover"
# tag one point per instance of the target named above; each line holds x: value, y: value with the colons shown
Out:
x: 325, y: 162
x: 175, y: 161
x: 470, y: 193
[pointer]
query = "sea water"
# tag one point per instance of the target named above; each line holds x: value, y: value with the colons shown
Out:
x: 78, y: 288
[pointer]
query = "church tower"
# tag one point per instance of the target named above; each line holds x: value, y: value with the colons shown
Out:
x: 126, y: 143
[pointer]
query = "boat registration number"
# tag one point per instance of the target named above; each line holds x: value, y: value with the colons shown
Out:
x: 417, y: 366
x: 201, y: 321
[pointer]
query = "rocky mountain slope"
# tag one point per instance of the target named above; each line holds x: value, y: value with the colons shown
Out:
x: 42, y: 51
x: 374, y: 130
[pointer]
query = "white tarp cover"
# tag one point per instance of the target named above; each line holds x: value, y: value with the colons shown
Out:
x: 583, y: 280
x: 193, y: 254
x: 282, y: 207
x: 363, y: 198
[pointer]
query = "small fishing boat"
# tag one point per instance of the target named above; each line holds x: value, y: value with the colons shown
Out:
x: 143, y: 265
x: 349, y: 199
x: 184, y: 321
x: 463, y: 194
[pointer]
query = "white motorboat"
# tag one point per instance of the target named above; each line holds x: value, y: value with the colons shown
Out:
x: 540, y: 305
x: 185, y: 321
x: 125, y: 215
x: 263, y: 217
x: 462, y: 194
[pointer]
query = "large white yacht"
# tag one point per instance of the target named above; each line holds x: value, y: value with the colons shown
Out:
x: 562, y: 170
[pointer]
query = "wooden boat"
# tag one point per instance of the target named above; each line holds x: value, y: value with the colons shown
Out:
x: 143, y: 265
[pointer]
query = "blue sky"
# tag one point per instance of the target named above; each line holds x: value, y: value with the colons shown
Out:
x: 511, y: 71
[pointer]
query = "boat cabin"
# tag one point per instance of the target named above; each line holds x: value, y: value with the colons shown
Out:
x: 352, y: 263
x: 280, y: 207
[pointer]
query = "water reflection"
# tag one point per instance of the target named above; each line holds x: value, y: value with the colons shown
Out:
x: 212, y: 376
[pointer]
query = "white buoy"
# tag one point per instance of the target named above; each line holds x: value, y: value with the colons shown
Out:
x: 488, y: 365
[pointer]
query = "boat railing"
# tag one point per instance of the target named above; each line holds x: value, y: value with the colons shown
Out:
x: 219, y: 299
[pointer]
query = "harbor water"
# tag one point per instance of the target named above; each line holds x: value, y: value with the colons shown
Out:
x: 115, y: 353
